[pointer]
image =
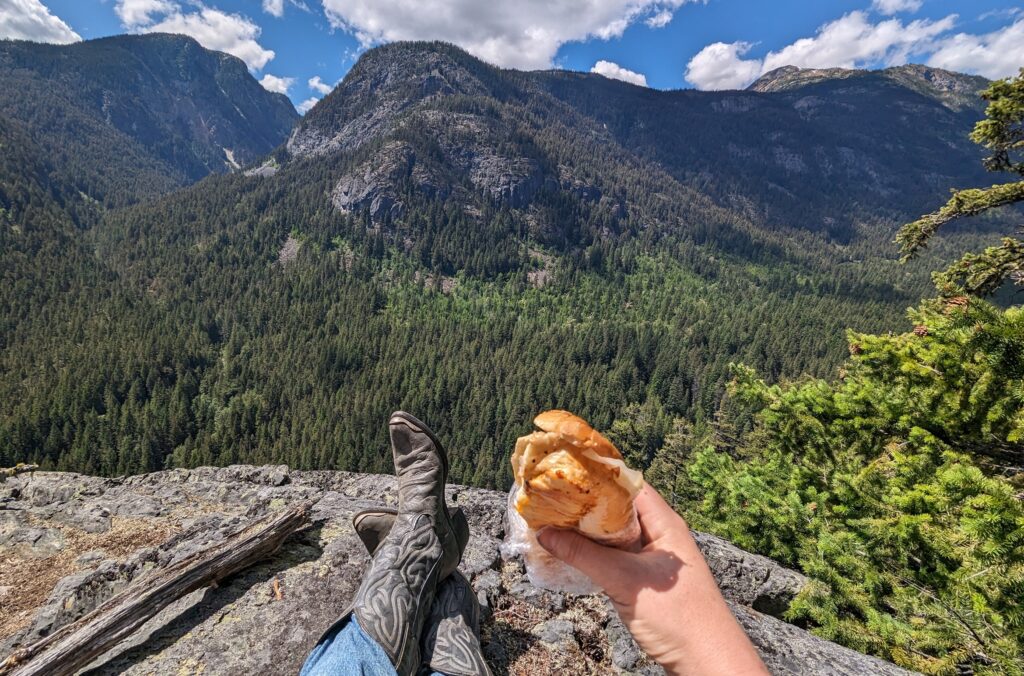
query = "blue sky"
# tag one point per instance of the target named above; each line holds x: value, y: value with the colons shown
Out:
x: 667, y: 44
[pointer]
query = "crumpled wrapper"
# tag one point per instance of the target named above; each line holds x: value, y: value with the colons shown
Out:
x: 568, y: 476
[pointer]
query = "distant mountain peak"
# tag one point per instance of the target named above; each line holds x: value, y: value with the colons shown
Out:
x: 954, y: 90
x: 383, y: 85
x: 793, y: 77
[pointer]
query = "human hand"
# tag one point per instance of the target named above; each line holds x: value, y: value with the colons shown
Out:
x: 664, y: 593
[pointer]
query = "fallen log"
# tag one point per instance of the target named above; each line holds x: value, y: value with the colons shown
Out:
x: 20, y: 468
x: 77, y: 644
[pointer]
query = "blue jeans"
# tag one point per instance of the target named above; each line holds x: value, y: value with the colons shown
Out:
x: 348, y: 651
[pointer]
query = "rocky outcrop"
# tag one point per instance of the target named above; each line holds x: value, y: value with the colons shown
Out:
x: 86, y: 538
x: 374, y: 184
x: 405, y: 92
x: 370, y: 101
x: 464, y: 157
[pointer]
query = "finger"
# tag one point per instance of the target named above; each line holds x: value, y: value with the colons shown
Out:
x: 608, y: 567
x: 657, y: 518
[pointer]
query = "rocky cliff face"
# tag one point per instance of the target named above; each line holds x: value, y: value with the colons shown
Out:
x: 431, y: 118
x: 68, y: 542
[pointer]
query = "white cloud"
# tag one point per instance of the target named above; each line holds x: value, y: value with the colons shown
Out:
x: 659, y: 20
x: 304, y: 107
x: 32, y: 20
x: 274, y: 7
x: 214, y: 29
x: 278, y: 85
x: 617, y: 72
x: 318, y: 85
x: 851, y: 41
x: 232, y: 33
x: 719, y: 66
x: 524, y: 34
x: 135, y: 13
x: 1007, y: 13
x: 994, y: 55
x: 890, y: 7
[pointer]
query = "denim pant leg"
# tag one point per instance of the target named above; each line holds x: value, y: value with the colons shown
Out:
x: 349, y: 652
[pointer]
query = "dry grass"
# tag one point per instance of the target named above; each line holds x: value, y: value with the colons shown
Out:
x: 30, y: 580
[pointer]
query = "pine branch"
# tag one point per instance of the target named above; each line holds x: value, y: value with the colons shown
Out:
x: 914, y: 236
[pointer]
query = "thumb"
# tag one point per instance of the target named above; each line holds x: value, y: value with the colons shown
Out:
x: 608, y: 567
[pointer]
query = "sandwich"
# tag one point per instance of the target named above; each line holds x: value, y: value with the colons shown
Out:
x: 569, y: 476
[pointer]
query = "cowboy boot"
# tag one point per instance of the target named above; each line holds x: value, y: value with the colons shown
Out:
x: 372, y: 525
x: 398, y: 588
x: 451, y: 640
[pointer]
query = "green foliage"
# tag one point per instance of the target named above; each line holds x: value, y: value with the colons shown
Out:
x: 1002, y: 132
x: 889, y: 487
x: 640, y: 430
x: 898, y: 487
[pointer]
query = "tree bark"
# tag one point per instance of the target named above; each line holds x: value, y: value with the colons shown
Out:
x: 20, y: 468
x: 75, y: 645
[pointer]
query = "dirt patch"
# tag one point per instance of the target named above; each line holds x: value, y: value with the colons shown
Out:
x: 26, y: 582
x: 544, y: 269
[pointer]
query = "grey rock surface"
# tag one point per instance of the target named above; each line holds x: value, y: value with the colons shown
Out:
x: 469, y: 150
x: 787, y: 650
x: 556, y: 632
x: 266, y: 619
x: 750, y: 579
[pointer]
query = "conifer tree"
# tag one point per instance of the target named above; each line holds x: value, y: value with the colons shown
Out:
x: 1002, y: 133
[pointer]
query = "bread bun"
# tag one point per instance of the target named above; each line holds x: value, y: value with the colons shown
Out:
x: 570, y: 476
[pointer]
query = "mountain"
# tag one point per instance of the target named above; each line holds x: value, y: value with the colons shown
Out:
x: 132, y: 116
x: 831, y: 158
x: 476, y: 244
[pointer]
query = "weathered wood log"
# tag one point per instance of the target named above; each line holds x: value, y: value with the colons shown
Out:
x: 75, y: 645
x: 20, y: 468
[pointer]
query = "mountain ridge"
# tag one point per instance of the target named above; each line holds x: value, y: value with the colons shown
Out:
x: 813, y: 141
x: 957, y: 91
